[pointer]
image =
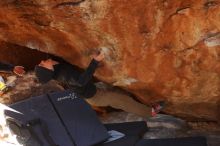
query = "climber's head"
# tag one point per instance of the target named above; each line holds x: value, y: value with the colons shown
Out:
x: 44, y: 70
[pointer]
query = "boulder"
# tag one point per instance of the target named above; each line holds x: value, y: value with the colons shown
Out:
x: 158, y: 50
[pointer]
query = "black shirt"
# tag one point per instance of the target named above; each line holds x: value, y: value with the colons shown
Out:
x: 69, y: 76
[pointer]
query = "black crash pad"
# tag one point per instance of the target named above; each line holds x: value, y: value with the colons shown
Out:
x: 187, y: 141
x: 70, y: 120
x: 124, y: 141
x: 132, y: 130
x: 79, y: 119
x: 129, y: 128
x: 40, y: 107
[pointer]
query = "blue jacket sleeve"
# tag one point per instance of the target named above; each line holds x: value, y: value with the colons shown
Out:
x: 6, y: 67
x: 86, y: 76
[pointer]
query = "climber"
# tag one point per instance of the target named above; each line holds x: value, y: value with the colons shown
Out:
x: 81, y: 83
x: 18, y: 70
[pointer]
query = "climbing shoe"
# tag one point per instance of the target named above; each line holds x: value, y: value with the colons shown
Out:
x: 157, y: 107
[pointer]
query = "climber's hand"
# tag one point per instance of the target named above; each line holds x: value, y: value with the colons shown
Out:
x: 19, y: 70
x: 99, y: 57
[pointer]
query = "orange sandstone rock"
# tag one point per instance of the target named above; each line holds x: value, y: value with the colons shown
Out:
x: 158, y: 50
